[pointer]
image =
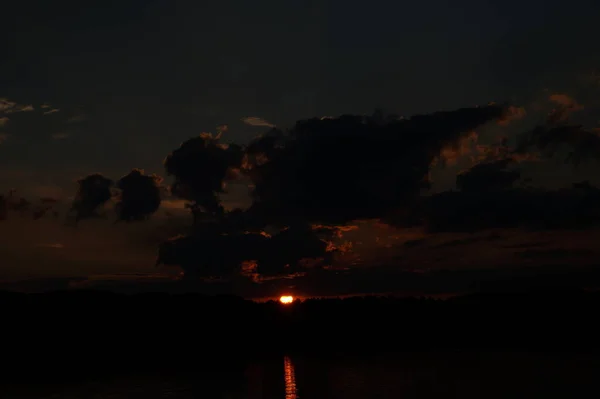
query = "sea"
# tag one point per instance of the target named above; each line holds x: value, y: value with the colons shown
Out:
x: 449, y: 374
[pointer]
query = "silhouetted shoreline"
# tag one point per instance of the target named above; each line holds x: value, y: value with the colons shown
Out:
x: 84, y: 331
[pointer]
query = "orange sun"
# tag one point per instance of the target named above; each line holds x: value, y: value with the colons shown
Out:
x: 286, y: 299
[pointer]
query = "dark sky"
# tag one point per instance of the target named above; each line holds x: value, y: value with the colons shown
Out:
x: 119, y: 84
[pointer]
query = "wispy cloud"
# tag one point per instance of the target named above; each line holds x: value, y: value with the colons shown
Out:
x: 9, y: 107
x: 3, y: 121
x: 256, y: 121
x: 51, y: 111
x: 6, y: 105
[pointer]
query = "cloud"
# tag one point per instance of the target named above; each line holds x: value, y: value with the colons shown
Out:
x: 513, y: 113
x: 140, y: 196
x: 505, y: 207
x: 207, y: 254
x: 255, y: 121
x: 450, y: 154
x: 60, y: 136
x: 322, y: 172
x: 313, y: 183
x: 354, y: 167
x: 8, y: 107
x: 51, y: 111
x: 488, y: 176
x: 201, y: 166
x: 555, y: 138
x: 3, y: 121
x: 566, y: 106
x: 25, y: 108
x: 565, y: 100
x: 92, y: 193
x: 174, y: 204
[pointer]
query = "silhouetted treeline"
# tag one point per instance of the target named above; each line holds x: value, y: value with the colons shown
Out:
x: 94, y: 332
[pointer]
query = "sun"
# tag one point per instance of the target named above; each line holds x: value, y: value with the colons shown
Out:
x: 286, y: 299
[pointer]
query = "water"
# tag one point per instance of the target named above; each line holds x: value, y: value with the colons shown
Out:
x: 416, y: 375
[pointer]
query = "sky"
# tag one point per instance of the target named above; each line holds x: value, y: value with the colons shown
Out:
x: 110, y: 86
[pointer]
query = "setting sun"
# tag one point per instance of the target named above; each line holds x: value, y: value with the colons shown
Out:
x: 286, y: 299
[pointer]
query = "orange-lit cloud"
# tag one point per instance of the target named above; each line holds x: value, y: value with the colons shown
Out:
x: 450, y: 154
x: 565, y: 100
x: 566, y: 106
x: 512, y: 114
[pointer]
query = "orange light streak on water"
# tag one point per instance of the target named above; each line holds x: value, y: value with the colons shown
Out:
x: 290, y: 379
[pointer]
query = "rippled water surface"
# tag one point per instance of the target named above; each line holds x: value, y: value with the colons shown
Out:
x: 437, y: 375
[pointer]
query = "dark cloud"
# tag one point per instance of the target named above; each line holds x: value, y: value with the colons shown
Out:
x: 327, y: 171
x: 560, y: 136
x: 576, y: 143
x: 211, y: 254
x: 310, y: 186
x: 201, y: 166
x: 140, y: 196
x: 335, y: 170
x: 93, y: 192
x: 568, y: 208
x: 488, y: 176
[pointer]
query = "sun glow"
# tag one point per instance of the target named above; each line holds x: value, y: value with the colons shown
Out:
x: 286, y: 299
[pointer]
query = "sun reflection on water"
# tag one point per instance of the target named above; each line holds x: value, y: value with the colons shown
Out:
x: 290, y: 379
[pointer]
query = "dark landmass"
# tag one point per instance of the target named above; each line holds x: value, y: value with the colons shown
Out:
x: 89, y: 332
